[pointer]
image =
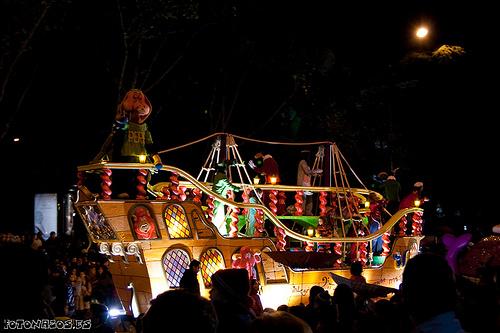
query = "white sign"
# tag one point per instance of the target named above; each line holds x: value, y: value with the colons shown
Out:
x: 46, y: 213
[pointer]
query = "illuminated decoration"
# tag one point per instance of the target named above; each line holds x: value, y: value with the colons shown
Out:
x: 416, y: 203
x: 256, y: 180
x: 177, y: 225
x: 141, y: 179
x: 310, y: 231
x: 367, y: 204
x: 273, y: 180
x: 175, y: 262
x: 142, y: 158
x: 210, y: 262
x: 177, y: 192
x: 142, y: 223
x: 95, y: 222
x: 106, y: 183
x: 246, y: 259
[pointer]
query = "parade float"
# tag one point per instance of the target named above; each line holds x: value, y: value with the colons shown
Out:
x: 151, y: 228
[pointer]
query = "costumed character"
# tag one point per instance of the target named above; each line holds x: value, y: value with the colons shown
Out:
x: 324, y: 229
x: 391, y: 190
x: 144, y: 225
x: 130, y: 140
x: 304, y: 174
x: 221, y: 185
x: 374, y: 225
x: 409, y: 201
x: 269, y: 168
x: 250, y: 227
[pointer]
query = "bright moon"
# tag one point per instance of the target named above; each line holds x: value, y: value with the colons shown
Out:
x: 422, y: 32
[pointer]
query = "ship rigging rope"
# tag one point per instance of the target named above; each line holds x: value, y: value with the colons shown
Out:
x: 246, y: 139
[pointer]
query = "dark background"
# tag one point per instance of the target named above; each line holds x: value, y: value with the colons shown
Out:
x: 271, y: 70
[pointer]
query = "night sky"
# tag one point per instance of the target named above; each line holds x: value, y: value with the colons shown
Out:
x: 273, y: 70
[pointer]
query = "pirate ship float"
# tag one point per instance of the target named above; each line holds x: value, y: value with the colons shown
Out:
x: 150, y: 238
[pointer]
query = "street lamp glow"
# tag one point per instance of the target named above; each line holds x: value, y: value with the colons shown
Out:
x: 422, y: 32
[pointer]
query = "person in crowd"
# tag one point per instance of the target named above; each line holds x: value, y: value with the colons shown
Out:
x: 52, y: 245
x: 24, y: 278
x: 229, y: 296
x: 189, y: 313
x: 429, y: 293
x: 256, y: 304
x: 343, y: 299
x: 189, y: 280
x: 279, y: 322
x: 311, y: 311
x: 37, y: 243
x: 100, y: 319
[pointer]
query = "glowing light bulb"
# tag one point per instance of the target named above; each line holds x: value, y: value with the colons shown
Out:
x: 142, y: 158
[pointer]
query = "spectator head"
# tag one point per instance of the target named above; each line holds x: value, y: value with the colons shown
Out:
x: 428, y: 286
x: 279, y: 322
x: 194, y: 265
x: 313, y: 292
x: 356, y: 268
x: 230, y: 285
x: 191, y: 313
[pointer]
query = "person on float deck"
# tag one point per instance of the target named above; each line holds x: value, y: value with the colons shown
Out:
x: 269, y: 167
x: 409, y: 200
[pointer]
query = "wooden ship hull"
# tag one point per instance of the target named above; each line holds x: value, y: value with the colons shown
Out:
x: 149, y: 257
